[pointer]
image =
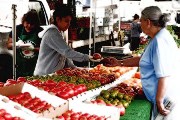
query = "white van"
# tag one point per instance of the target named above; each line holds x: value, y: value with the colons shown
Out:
x: 22, y: 6
x: 6, y: 23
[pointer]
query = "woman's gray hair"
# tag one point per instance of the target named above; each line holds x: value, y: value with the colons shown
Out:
x: 154, y: 14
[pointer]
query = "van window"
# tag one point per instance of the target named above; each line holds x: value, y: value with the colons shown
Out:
x: 6, y: 12
x: 38, y: 6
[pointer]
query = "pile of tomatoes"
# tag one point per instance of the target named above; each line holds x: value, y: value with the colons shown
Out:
x: 34, y: 104
x: 4, y: 115
x: 71, y: 115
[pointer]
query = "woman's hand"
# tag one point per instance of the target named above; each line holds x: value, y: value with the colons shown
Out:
x: 110, y: 62
x: 161, y: 90
x: 161, y: 108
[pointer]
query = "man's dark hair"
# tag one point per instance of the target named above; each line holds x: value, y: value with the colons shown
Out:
x: 31, y: 17
x: 62, y: 10
x: 136, y: 16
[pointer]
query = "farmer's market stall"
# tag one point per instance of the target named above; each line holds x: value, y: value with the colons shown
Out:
x: 36, y: 95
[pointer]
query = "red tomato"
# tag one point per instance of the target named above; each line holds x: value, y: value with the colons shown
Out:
x: 35, y: 101
x: 76, y: 92
x: 63, y: 95
x: 21, y: 79
x: 94, y: 102
x: 109, y: 104
x: 11, y: 97
x: 61, y: 83
x: 1, y: 84
x: 137, y: 75
x: 91, y: 118
x: 39, y: 106
x: 100, y: 101
x: 79, y: 88
x: 15, y: 118
x: 67, y: 114
x: 8, y: 116
x: 47, y: 106
x: 45, y: 88
x: 2, y: 112
x: 28, y: 106
x: 70, y: 91
x: 82, y: 118
x: 59, y: 72
x: 101, y: 118
x: 10, y: 82
x: 75, y: 116
x: 35, y: 82
x: 61, y: 118
x: 19, y: 96
x: 2, y: 118
x: 27, y: 95
x: 84, y: 88
x: 86, y: 115
x: 43, y: 102
x: 71, y: 85
x: 97, y: 56
x: 50, y: 83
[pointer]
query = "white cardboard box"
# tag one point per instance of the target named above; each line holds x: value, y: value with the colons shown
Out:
x: 55, y: 101
x: 111, y: 113
x: 13, y: 108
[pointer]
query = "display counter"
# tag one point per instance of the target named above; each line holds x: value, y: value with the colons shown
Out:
x: 139, y: 109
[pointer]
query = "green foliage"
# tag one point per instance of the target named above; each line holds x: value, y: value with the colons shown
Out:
x: 177, y: 42
x: 141, y: 49
x: 171, y: 29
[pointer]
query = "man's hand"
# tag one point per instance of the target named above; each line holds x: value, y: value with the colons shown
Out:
x: 94, y: 60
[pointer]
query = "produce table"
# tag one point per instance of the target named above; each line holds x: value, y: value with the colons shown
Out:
x: 139, y: 109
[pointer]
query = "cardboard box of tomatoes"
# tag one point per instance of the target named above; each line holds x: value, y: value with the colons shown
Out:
x: 81, y: 110
x: 10, y: 111
x: 37, y: 103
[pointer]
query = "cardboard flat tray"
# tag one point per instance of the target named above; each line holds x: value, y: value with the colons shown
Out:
x: 55, y: 101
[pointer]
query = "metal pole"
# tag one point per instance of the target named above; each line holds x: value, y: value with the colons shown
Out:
x: 94, y: 28
x: 90, y: 31
x: 14, y: 39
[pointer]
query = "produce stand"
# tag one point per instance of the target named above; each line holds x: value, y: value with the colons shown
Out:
x: 53, y: 87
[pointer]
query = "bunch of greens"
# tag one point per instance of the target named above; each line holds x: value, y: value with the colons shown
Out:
x: 171, y: 29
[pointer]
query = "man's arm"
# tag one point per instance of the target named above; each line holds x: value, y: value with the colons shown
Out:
x: 9, y: 43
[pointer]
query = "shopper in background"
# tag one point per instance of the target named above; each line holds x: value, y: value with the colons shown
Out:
x: 159, y: 63
x: 6, y: 66
x: 28, y: 41
x: 135, y: 33
x: 54, y: 53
